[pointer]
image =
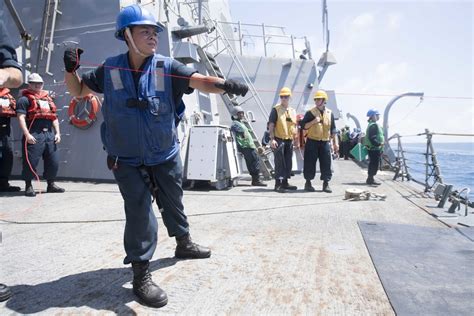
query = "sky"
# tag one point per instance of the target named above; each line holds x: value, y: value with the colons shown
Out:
x: 388, y: 48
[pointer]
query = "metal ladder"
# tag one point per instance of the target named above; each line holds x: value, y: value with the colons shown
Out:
x: 230, y: 101
x: 213, y: 68
x: 51, y: 12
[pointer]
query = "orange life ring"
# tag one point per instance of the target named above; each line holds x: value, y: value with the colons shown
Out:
x: 77, y: 119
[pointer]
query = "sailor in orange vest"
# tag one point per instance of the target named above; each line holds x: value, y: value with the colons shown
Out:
x: 10, y: 77
x: 7, y: 111
x: 282, y: 128
x: 38, y: 120
x: 319, y: 122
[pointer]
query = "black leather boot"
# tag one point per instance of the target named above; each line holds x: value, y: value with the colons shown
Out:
x: 279, y: 187
x: 5, y: 293
x: 53, y: 188
x: 326, y: 187
x: 29, y: 191
x: 308, y: 187
x: 256, y: 182
x: 144, y: 287
x: 186, y: 249
x: 287, y: 186
x: 6, y: 187
x: 371, y: 181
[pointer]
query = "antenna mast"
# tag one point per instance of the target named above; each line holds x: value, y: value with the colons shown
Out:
x: 327, y: 58
x: 325, y: 21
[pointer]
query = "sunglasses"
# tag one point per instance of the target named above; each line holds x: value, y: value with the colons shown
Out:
x: 284, y: 97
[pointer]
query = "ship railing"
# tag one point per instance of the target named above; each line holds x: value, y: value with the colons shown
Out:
x: 433, y: 180
x: 246, y: 37
x: 261, y: 38
x: 226, y: 46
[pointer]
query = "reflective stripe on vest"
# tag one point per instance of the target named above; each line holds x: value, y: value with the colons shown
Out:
x: 322, y: 130
x: 41, y: 105
x: 7, y: 103
x: 285, y: 126
x: 145, y: 133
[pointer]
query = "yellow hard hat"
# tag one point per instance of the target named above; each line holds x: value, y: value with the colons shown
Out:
x: 321, y: 94
x: 285, y: 92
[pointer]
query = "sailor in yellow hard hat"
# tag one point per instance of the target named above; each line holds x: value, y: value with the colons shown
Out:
x: 319, y: 122
x: 282, y: 128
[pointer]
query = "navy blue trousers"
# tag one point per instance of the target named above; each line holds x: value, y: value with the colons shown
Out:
x: 314, y: 150
x: 44, y: 148
x: 374, y: 162
x: 141, y: 226
x: 6, y: 159
x: 283, y: 155
x: 251, y: 160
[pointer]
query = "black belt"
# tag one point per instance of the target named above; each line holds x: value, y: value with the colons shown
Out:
x: 40, y: 130
x: 135, y: 103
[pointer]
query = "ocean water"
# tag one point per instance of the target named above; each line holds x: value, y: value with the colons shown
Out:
x: 456, y: 161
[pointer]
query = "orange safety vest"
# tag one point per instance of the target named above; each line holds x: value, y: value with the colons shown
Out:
x: 7, y: 103
x: 41, y: 105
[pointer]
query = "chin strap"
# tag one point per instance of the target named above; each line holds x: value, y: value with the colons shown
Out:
x: 130, y: 39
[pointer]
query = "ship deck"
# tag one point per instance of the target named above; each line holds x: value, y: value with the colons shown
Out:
x: 272, y: 253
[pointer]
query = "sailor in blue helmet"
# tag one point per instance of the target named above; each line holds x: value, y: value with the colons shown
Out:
x: 374, y: 141
x: 142, y: 91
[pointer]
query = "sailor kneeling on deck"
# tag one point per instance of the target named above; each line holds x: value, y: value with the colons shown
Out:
x: 142, y: 91
x: 319, y: 122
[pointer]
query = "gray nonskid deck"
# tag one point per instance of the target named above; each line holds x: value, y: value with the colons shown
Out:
x: 294, y: 253
x: 424, y: 270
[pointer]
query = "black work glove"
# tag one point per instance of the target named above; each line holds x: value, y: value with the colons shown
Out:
x: 234, y: 87
x: 72, y: 58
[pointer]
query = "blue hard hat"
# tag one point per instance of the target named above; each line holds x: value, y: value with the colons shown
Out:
x: 134, y: 15
x: 373, y: 112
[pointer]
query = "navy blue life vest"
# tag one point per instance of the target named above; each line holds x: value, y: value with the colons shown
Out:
x: 139, y: 126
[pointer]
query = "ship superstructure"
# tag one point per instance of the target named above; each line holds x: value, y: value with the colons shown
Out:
x: 200, y: 34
